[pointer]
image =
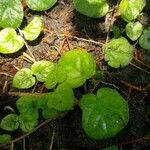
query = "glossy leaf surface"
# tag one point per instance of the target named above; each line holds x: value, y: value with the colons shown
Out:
x: 10, y: 42
x: 105, y: 114
x: 11, y: 13
x: 40, y: 5
x: 10, y: 122
x: 92, y: 8
x: 23, y: 79
x: 41, y: 69
x: 33, y: 29
x: 79, y: 66
x: 118, y: 52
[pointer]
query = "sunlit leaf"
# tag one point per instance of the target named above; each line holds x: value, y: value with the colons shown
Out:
x: 40, y: 5
x: 105, y: 114
x: 134, y: 30
x: 10, y: 42
x: 118, y: 52
x: 79, y: 66
x: 10, y: 122
x: 23, y: 79
x: 144, y: 40
x: 33, y: 29
x: 92, y: 8
x: 5, y: 138
x: 11, y: 13
x: 41, y: 69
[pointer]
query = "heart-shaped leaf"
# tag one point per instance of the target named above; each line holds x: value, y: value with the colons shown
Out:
x: 40, y: 5
x: 118, y: 52
x: 23, y: 79
x: 41, y: 69
x: 10, y: 42
x: 79, y: 66
x: 11, y: 13
x: 10, y: 122
x: 33, y: 29
x: 105, y: 114
x: 134, y: 30
x: 144, y: 40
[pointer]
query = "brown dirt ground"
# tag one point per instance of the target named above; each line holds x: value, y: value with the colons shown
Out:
x: 65, y: 29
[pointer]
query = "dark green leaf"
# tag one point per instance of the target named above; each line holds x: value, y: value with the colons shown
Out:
x: 5, y: 138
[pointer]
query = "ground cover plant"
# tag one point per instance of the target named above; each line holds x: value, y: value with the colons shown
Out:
x: 74, y: 74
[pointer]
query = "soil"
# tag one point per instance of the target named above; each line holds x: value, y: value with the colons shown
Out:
x: 65, y: 29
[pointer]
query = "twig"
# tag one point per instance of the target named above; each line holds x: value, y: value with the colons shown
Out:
x: 52, y: 139
x: 6, y: 74
x: 28, y: 57
x: 24, y: 94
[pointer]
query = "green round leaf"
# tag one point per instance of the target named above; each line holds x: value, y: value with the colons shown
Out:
x: 130, y: 9
x: 33, y: 29
x: 105, y: 114
x: 11, y: 13
x: 10, y: 42
x: 23, y: 79
x: 56, y: 76
x: 62, y: 98
x: 41, y: 69
x: 144, y: 40
x: 49, y: 113
x: 79, y: 66
x: 40, y: 5
x: 134, y: 30
x: 10, y: 122
x: 92, y: 8
x: 5, y: 138
x: 118, y: 52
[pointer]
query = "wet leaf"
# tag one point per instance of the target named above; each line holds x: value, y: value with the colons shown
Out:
x: 41, y: 69
x: 10, y: 122
x: 144, y: 40
x: 10, y: 42
x: 118, y: 52
x: 40, y: 5
x: 11, y: 13
x: 23, y: 79
x: 134, y: 30
x: 79, y: 66
x: 92, y: 8
x: 105, y: 114
x: 33, y: 29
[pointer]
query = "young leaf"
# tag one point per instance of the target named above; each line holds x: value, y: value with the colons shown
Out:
x: 41, y: 69
x: 134, y: 30
x: 105, y: 114
x: 130, y: 9
x: 144, y: 40
x: 10, y: 122
x: 56, y: 76
x: 33, y: 29
x: 5, y: 138
x: 23, y: 79
x: 79, y: 66
x: 10, y: 42
x: 92, y: 8
x: 11, y: 13
x: 40, y: 5
x: 118, y: 52
x: 62, y: 98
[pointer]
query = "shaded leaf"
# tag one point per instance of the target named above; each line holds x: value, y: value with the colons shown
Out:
x: 5, y: 138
